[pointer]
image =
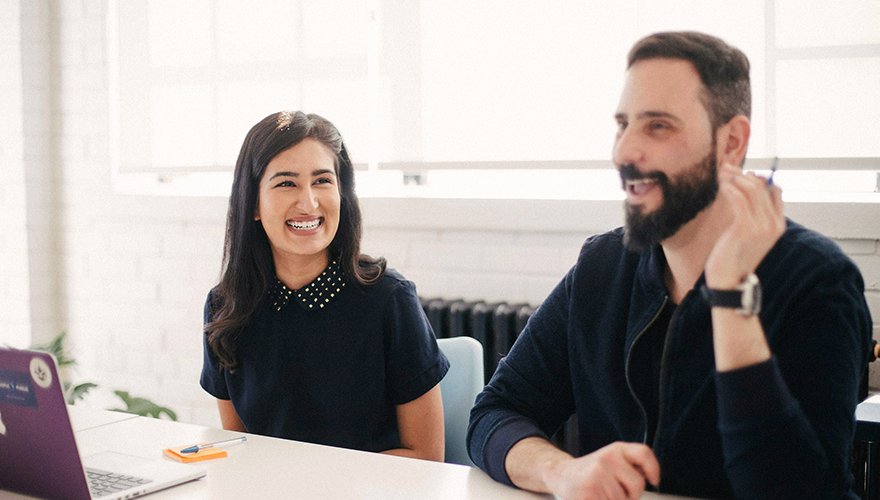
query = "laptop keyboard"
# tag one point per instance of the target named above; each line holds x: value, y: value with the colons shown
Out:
x: 103, y: 483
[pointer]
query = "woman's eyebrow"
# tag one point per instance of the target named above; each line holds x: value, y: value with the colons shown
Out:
x: 284, y: 174
x: 315, y: 173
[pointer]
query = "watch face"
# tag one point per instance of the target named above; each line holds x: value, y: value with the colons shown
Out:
x: 759, y: 295
x: 751, y: 296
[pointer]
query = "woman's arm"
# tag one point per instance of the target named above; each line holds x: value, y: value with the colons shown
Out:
x: 420, y: 423
x: 228, y: 418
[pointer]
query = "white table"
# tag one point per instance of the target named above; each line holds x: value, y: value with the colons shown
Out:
x: 266, y: 467
x: 84, y: 418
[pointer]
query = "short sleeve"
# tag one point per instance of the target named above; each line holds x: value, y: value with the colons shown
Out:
x: 213, y: 380
x: 414, y: 363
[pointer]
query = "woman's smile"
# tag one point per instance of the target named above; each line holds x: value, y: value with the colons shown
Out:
x: 305, y: 225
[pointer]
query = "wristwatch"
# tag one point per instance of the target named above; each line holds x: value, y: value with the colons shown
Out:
x: 744, y: 299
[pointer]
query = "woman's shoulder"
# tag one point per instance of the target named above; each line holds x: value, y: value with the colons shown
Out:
x: 213, y: 302
x: 390, y: 281
x: 392, y: 285
x: 391, y: 294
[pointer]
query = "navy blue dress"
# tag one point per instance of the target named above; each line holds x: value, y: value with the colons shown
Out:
x: 329, y: 362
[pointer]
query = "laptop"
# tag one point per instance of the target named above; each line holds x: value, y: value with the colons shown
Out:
x: 38, y: 453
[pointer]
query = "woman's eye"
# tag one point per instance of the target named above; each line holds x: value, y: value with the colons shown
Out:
x: 285, y: 184
x: 323, y: 180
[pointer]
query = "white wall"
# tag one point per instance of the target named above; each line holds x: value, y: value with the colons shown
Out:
x: 126, y: 276
x: 14, y: 279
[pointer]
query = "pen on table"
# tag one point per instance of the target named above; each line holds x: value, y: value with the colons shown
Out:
x: 772, y: 171
x: 198, y: 447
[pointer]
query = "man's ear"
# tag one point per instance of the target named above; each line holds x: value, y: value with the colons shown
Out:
x: 733, y: 140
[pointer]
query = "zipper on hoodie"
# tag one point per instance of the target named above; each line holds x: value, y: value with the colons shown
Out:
x: 662, y: 357
x: 662, y: 377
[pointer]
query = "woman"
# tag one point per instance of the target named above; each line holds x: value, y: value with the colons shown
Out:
x: 305, y: 337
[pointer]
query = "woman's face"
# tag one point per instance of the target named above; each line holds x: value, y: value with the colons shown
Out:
x: 299, y: 204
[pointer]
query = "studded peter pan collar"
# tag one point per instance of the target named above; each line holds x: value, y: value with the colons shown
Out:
x: 313, y: 296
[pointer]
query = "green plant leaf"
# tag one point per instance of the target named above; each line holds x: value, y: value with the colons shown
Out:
x: 78, y: 392
x: 142, y: 406
x: 138, y: 406
x: 56, y: 348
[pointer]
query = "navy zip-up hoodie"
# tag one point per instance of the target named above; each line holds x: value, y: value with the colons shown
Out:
x: 779, y: 429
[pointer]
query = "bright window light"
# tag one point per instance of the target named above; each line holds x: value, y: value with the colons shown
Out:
x: 509, y: 83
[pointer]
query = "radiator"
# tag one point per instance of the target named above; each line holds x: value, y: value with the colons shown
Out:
x: 496, y: 326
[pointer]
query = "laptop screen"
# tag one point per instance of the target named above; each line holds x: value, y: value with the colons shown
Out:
x: 37, y: 446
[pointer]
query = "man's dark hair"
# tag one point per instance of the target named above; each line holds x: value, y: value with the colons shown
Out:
x: 724, y: 70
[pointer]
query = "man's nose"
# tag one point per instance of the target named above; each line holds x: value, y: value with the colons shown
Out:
x: 627, y: 148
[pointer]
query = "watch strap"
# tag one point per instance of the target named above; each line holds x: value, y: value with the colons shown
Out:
x: 745, y: 299
x: 722, y: 298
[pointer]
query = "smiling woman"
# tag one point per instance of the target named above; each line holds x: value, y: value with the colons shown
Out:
x: 290, y: 350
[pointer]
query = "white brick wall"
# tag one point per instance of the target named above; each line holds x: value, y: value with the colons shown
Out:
x: 41, y: 168
x: 14, y: 263
x: 133, y: 271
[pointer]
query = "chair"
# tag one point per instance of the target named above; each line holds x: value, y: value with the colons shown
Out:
x: 868, y: 434
x: 866, y: 449
x: 460, y: 387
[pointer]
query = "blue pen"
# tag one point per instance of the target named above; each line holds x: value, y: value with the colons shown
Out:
x: 199, y: 447
x: 772, y: 171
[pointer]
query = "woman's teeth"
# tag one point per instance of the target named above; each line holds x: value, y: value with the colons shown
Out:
x: 304, y: 225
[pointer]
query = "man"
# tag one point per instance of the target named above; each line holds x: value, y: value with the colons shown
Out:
x: 680, y: 372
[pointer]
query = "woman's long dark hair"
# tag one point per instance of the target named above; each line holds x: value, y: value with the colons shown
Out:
x: 248, y: 269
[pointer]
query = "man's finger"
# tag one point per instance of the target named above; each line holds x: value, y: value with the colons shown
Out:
x: 631, y: 478
x: 643, y: 458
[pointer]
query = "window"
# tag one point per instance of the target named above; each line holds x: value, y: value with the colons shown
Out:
x: 434, y: 87
x: 194, y: 76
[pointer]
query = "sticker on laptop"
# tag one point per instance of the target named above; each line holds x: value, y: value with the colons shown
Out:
x: 17, y: 388
x: 41, y: 373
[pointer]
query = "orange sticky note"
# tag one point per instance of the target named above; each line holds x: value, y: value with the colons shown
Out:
x: 206, y: 454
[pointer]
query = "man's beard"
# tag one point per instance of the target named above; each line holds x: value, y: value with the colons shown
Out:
x: 684, y: 196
